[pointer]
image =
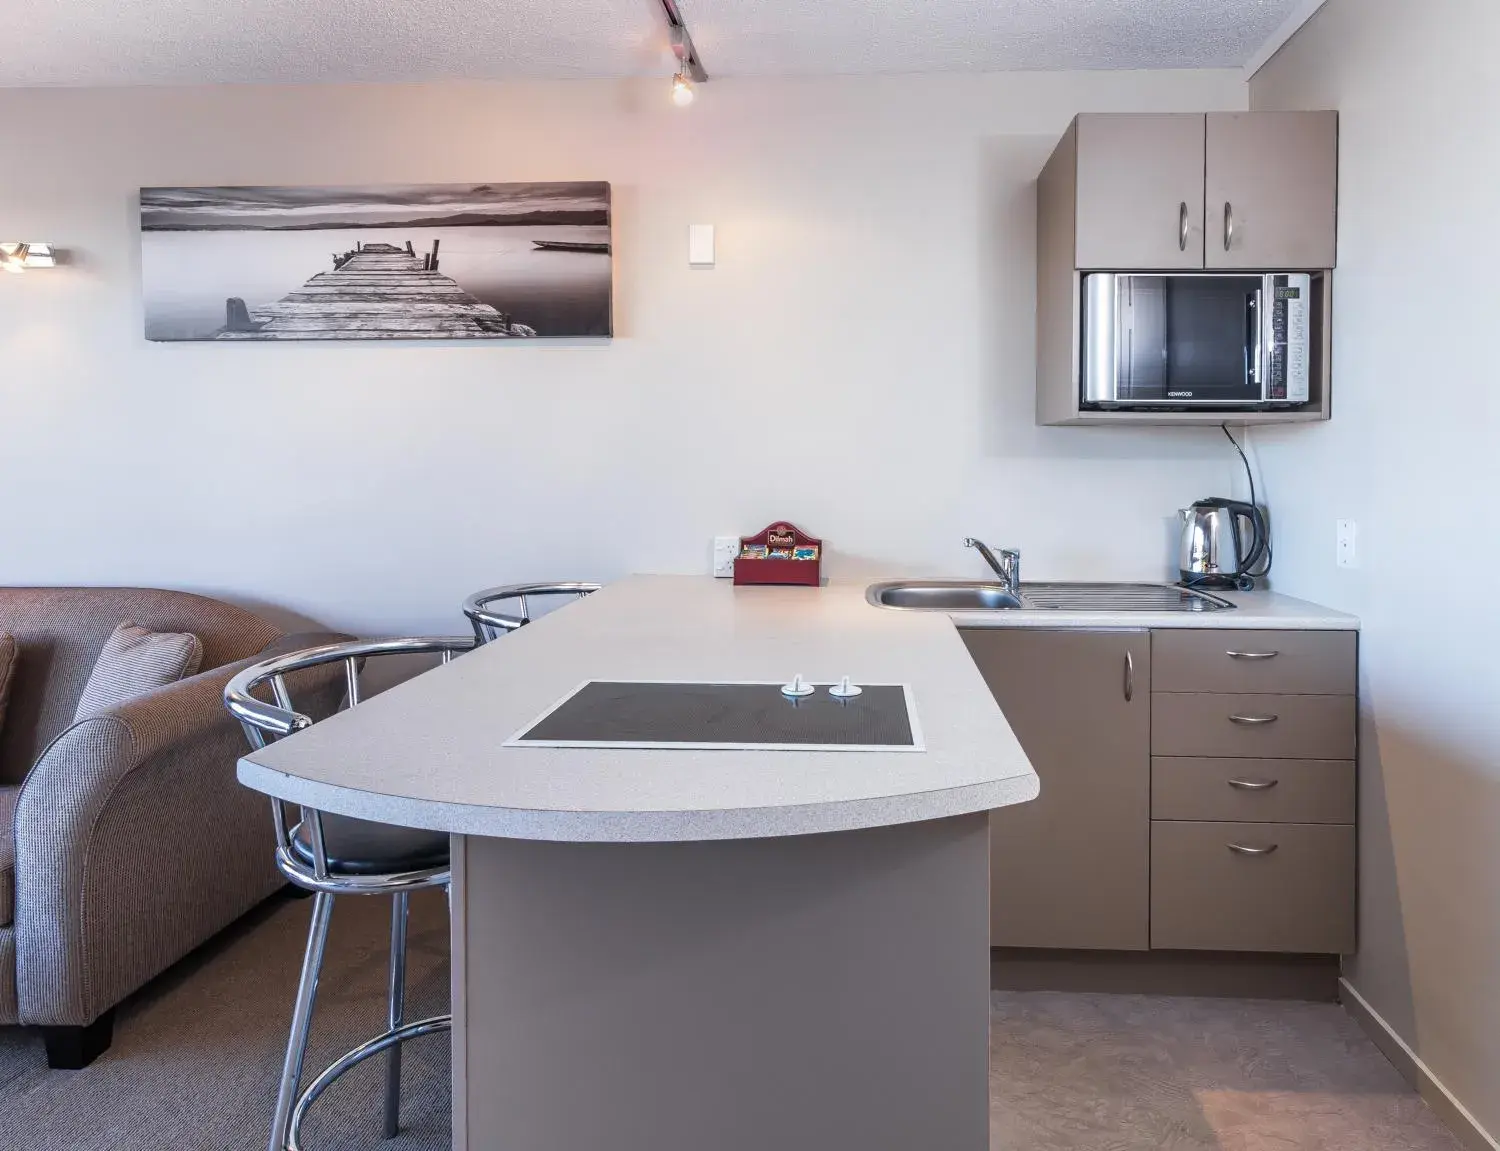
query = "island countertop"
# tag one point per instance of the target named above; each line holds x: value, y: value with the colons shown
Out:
x: 431, y: 752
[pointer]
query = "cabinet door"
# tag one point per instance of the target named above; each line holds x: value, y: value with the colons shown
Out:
x: 1272, y: 189
x: 1071, y: 868
x: 1140, y: 191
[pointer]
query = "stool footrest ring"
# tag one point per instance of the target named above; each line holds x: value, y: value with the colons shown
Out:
x: 430, y: 1026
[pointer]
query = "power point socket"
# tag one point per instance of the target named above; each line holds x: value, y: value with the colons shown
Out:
x: 726, y: 548
x: 1347, y: 543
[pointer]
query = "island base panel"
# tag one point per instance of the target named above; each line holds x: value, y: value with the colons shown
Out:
x: 801, y: 993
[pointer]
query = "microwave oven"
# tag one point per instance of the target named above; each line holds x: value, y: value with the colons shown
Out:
x: 1197, y: 340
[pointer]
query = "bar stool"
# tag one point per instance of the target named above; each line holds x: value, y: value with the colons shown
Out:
x: 332, y: 855
x: 490, y: 625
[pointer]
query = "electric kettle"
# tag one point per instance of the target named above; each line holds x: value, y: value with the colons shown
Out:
x: 1214, y: 552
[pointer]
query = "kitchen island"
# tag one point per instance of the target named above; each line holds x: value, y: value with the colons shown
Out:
x: 674, y: 949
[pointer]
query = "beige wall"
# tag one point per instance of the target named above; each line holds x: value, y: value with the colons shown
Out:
x: 1411, y: 454
x: 861, y: 360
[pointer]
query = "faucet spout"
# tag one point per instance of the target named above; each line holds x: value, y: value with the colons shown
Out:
x: 1007, y: 565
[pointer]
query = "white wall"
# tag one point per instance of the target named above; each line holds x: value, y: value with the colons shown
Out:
x: 861, y: 360
x: 1411, y: 455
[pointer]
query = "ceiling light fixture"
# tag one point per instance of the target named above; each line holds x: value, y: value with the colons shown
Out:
x: 16, y: 256
x: 689, y: 67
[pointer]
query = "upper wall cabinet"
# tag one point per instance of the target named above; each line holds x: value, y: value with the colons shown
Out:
x: 1158, y: 194
x: 1271, y: 189
x: 1140, y: 191
x: 1225, y: 191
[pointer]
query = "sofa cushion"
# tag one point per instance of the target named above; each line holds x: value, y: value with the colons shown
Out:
x: 7, y: 671
x: 136, y: 660
x: 59, y: 632
x: 8, y: 797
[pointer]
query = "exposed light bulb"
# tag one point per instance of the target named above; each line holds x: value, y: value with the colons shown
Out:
x: 13, y: 257
x: 682, y: 90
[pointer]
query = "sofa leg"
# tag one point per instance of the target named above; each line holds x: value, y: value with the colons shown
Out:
x: 74, y: 1048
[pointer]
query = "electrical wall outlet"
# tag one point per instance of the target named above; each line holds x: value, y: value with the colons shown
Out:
x: 725, y: 549
x: 1347, y: 532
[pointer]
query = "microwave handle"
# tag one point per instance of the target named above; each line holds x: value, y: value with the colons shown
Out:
x: 1253, y: 330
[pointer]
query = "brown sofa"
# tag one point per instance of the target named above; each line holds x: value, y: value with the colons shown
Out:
x: 125, y: 840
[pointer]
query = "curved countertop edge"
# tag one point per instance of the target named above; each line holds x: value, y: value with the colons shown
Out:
x: 687, y: 826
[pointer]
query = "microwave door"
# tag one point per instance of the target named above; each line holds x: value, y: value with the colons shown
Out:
x: 1180, y: 341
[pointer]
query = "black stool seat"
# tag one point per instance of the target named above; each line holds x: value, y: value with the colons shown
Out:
x: 359, y: 847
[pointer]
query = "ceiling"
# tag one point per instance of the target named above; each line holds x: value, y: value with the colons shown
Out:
x: 93, y: 42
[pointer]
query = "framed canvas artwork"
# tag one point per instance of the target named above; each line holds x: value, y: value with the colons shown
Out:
x: 398, y: 262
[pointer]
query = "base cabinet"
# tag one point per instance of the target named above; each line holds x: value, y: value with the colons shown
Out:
x: 1071, y: 868
x: 1197, y: 790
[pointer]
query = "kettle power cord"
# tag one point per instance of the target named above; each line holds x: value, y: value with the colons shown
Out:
x: 1247, y: 582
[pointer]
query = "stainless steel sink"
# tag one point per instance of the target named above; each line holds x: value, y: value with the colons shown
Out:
x: 970, y: 595
x: 942, y: 595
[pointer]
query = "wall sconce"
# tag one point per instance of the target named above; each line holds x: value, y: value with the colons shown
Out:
x: 16, y: 256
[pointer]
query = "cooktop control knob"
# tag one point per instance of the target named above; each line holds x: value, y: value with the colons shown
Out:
x: 844, y: 689
x: 799, y: 688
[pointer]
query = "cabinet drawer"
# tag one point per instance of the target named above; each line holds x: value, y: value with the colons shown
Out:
x: 1298, y: 897
x: 1256, y: 662
x: 1254, y: 726
x: 1253, y: 790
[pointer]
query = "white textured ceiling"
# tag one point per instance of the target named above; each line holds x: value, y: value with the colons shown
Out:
x: 106, y: 42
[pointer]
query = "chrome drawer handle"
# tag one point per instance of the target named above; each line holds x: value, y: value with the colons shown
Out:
x: 1252, y: 654
x: 1253, y: 720
x: 1242, y: 849
x: 1254, y: 784
x: 1228, y: 224
x: 1182, y: 227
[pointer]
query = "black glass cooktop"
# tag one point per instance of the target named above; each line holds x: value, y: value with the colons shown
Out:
x: 605, y: 713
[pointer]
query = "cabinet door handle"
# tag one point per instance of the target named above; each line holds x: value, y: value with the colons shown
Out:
x: 1242, y: 849
x: 1254, y: 784
x: 1182, y: 227
x: 1253, y: 720
x: 1228, y: 224
x: 1252, y: 654
x: 1129, y: 677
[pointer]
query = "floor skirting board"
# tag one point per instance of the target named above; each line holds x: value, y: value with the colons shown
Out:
x: 1211, y: 973
x: 1444, y: 1104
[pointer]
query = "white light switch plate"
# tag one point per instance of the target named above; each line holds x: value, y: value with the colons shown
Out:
x: 701, y: 245
x: 725, y: 549
x: 1347, y: 532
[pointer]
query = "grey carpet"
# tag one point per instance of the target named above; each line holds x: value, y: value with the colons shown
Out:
x: 196, y: 1055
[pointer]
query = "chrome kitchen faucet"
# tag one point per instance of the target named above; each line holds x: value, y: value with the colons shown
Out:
x: 1007, y: 566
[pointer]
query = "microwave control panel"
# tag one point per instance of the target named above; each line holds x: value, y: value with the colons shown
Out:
x: 1290, y: 324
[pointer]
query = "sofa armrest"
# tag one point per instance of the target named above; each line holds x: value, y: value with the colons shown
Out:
x: 134, y: 843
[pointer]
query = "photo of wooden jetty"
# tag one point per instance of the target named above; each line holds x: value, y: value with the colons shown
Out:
x: 380, y: 292
x: 412, y: 262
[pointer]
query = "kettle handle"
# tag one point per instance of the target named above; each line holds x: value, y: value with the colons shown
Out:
x: 1260, y: 536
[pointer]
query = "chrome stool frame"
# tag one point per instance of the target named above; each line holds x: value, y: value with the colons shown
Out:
x: 491, y: 625
x: 264, y: 723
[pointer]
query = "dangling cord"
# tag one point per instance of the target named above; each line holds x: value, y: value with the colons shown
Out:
x: 1246, y: 582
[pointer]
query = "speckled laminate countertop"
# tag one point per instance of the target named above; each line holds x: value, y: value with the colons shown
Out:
x: 431, y: 752
x: 1254, y: 610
